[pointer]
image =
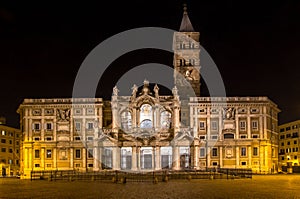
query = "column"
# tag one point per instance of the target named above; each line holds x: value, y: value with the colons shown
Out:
x: 96, y: 161
x: 265, y: 127
x: 221, y: 156
x: 30, y: 130
x: 196, y: 157
x: 176, y: 116
x: 30, y: 158
x: 71, y: 157
x: 249, y: 126
x: 261, y: 125
x: 237, y: 156
x: 237, y: 128
x: 84, y: 159
x: 249, y: 156
x: 208, y: 157
x: 43, y: 125
x: 266, y: 158
x: 43, y: 157
x: 261, y: 157
x: 153, y: 158
x: 157, y: 158
x: 116, y: 158
x: 208, y: 125
x: 26, y: 158
x: 138, y: 157
x: 175, y: 157
x: 133, y: 117
x: 134, y: 159
x: 54, y: 158
x: 100, y: 157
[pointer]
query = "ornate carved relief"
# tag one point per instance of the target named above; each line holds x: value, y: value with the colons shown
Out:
x: 63, y: 115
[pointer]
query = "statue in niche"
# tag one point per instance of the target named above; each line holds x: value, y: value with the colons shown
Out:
x: 115, y: 91
x: 229, y: 113
x: 63, y: 115
x: 156, y: 91
x: 134, y: 91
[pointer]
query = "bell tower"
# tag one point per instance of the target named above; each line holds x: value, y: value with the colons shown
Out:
x: 186, y: 60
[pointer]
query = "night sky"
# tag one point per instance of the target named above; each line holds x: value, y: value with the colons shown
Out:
x: 255, y: 44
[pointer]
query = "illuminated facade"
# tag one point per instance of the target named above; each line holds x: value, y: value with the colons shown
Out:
x: 289, y: 144
x: 10, y: 150
x: 147, y: 131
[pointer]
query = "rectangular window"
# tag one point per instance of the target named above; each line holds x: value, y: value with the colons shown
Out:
x: 288, y: 135
x: 36, y: 126
x: 77, y: 138
x: 254, y: 125
x: 17, y: 162
x: 214, y: 125
x: 90, y: 126
x: 48, y: 165
x: 242, y: 125
x: 202, y: 137
x: 243, y: 151
x: 17, y: 151
x: 255, y: 151
x: 202, y: 152
x: 281, y: 130
x: 214, y: 137
x: 48, y: 138
x: 48, y: 126
x: 36, y: 165
x: 77, y: 153
x: 3, y: 150
x: 10, y: 150
x: 17, y: 143
x: 295, y: 141
x: 243, y: 136
x: 255, y: 136
x: 10, y: 141
x: 48, y: 153
x: 281, y: 137
x: 296, y: 149
x: 17, y: 135
x: 244, y: 163
x: 295, y: 135
x: 282, y: 158
x: 288, y: 128
x: 215, y: 163
x: 295, y: 157
x: 36, y: 153
x: 90, y: 138
x: 286, y: 150
x: 36, y: 138
x: 77, y: 165
x: 214, y: 152
x: 3, y: 132
x: 77, y: 126
x: 201, y: 125
x: 3, y: 141
x: 90, y: 165
x: 288, y: 143
x: 90, y: 153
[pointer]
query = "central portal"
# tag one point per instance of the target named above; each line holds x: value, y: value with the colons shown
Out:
x: 146, y: 158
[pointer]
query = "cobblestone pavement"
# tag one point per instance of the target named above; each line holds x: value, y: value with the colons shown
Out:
x: 260, y: 186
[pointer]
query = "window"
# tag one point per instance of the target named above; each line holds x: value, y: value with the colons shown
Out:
x: 17, y: 162
x: 214, y: 152
x: 48, y: 126
x: 201, y: 125
x: 77, y: 138
x: 48, y: 165
x: 3, y: 141
x: 3, y: 132
x: 77, y: 153
x: 295, y: 141
x: 288, y: 143
x: 255, y: 151
x: 255, y: 136
x: 17, y: 135
x: 3, y: 150
x: 17, y: 143
x: 255, y: 125
x: 77, y: 111
x: 77, y: 126
x: 288, y: 135
x: 90, y: 165
x: 243, y: 136
x: 36, y: 138
x: 243, y: 151
x: 48, y: 153
x: 202, y: 152
x: 228, y: 136
x: 214, y: 137
x: 281, y: 137
x: 295, y: 157
x: 244, y: 163
x: 17, y: 151
x: 281, y: 130
x: 90, y: 111
x: 295, y: 135
x: 214, y: 125
x: 286, y: 150
x: 11, y: 134
x: 48, y: 138
x: 90, y: 138
x: 202, y: 137
x: 296, y: 149
x: 36, y: 153
x: 215, y: 163
x: 294, y: 126
x: 90, y: 126
x: 36, y: 126
x: 36, y: 165
x: 282, y: 143
x: 146, y: 116
x: 90, y: 153
x: 288, y: 128
x: 242, y: 125
x: 10, y: 150
x: 282, y: 158
x: 77, y: 165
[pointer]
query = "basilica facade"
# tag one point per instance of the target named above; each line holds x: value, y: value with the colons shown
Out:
x: 147, y: 131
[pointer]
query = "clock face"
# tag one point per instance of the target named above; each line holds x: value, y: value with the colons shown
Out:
x: 146, y: 124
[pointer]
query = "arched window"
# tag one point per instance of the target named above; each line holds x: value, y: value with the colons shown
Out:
x: 165, y: 119
x: 228, y: 136
x: 146, y: 116
x: 126, y: 120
